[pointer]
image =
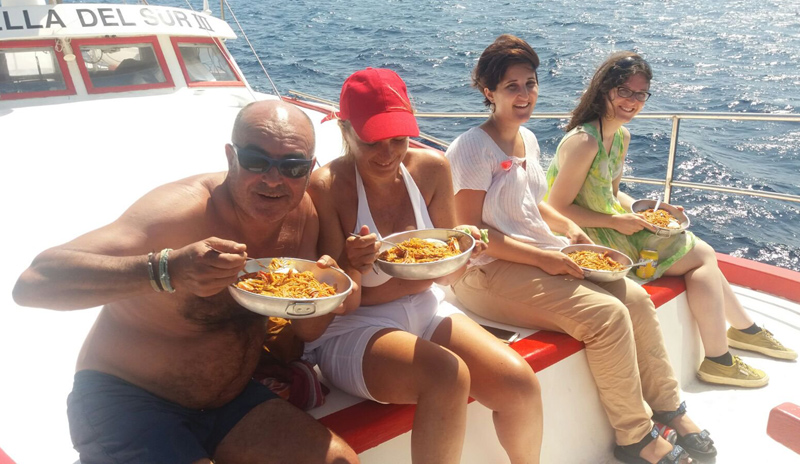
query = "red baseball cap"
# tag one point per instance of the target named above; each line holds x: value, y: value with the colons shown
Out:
x: 376, y: 103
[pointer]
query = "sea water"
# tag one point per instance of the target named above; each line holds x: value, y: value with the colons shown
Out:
x: 733, y: 56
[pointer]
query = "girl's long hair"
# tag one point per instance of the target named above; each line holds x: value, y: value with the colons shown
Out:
x: 617, y: 69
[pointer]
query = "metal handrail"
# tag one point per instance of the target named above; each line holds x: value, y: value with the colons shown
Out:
x: 313, y: 98
x: 668, y: 183
x: 685, y: 115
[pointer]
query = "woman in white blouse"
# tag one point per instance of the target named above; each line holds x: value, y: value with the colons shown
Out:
x: 523, y: 279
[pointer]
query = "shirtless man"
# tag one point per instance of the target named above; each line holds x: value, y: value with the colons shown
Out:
x: 165, y: 377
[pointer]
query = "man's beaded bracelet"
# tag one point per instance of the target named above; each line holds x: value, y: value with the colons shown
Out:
x: 152, y: 273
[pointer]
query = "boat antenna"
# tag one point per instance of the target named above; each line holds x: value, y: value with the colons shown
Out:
x: 274, y: 88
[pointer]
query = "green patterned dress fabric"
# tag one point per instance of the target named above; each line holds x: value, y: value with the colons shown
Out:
x: 597, y: 194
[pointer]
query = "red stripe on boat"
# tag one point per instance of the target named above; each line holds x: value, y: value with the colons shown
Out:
x: 784, y: 425
x: 367, y: 424
x: 544, y: 348
x: 664, y: 289
x: 762, y: 277
x: 4, y: 459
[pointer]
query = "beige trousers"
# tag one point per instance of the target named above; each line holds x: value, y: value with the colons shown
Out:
x: 616, y: 320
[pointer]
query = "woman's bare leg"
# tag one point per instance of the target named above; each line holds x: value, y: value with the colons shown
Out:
x: 704, y: 290
x: 404, y: 369
x: 734, y: 312
x: 503, y: 382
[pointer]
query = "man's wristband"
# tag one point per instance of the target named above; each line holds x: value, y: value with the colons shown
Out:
x: 163, y: 272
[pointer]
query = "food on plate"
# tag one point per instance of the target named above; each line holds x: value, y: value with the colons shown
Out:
x: 595, y: 261
x: 418, y: 250
x: 660, y: 218
x: 282, y: 281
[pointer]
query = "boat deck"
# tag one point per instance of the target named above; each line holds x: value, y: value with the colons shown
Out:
x: 737, y: 417
x: 572, y: 409
x: 40, y: 347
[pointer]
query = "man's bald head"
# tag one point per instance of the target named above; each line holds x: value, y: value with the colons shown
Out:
x: 274, y: 118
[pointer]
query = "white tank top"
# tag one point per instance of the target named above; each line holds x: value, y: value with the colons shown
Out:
x: 371, y: 279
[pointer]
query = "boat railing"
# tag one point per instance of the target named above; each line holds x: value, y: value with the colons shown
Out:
x: 668, y: 182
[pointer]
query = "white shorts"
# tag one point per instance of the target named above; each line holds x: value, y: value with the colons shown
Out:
x: 340, y: 351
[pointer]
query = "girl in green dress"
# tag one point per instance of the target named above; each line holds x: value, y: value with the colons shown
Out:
x: 583, y: 184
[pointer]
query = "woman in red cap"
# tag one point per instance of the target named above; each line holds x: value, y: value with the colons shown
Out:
x: 405, y: 344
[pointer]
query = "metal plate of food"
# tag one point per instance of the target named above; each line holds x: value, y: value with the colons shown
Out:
x: 290, y: 288
x: 668, y: 221
x: 425, y: 254
x: 599, y: 263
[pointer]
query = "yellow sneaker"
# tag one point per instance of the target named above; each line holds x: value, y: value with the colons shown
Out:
x: 762, y: 342
x: 739, y: 374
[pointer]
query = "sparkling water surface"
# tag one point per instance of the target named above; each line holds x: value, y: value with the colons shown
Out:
x: 733, y: 56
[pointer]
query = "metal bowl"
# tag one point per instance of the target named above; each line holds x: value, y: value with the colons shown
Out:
x: 432, y: 270
x: 602, y: 276
x: 289, y: 308
x: 683, y: 220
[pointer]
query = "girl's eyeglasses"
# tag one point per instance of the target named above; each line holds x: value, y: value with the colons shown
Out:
x: 257, y: 161
x: 625, y: 92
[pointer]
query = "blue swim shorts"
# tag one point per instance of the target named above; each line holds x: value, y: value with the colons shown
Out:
x: 114, y: 421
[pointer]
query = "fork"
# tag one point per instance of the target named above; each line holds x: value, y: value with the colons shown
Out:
x: 221, y: 252
x: 658, y: 203
x: 373, y: 264
x: 380, y: 240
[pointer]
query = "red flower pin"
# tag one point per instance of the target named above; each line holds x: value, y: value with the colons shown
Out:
x: 506, y: 165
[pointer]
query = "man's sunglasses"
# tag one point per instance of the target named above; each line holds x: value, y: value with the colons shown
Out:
x: 257, y: 161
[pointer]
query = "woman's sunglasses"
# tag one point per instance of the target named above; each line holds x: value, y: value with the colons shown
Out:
x: 257, y: 161
x: 625, y: 92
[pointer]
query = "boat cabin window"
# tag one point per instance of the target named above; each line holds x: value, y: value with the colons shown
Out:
x: 32, y: 69
x: 204, y: 63
x: 118, y: 65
